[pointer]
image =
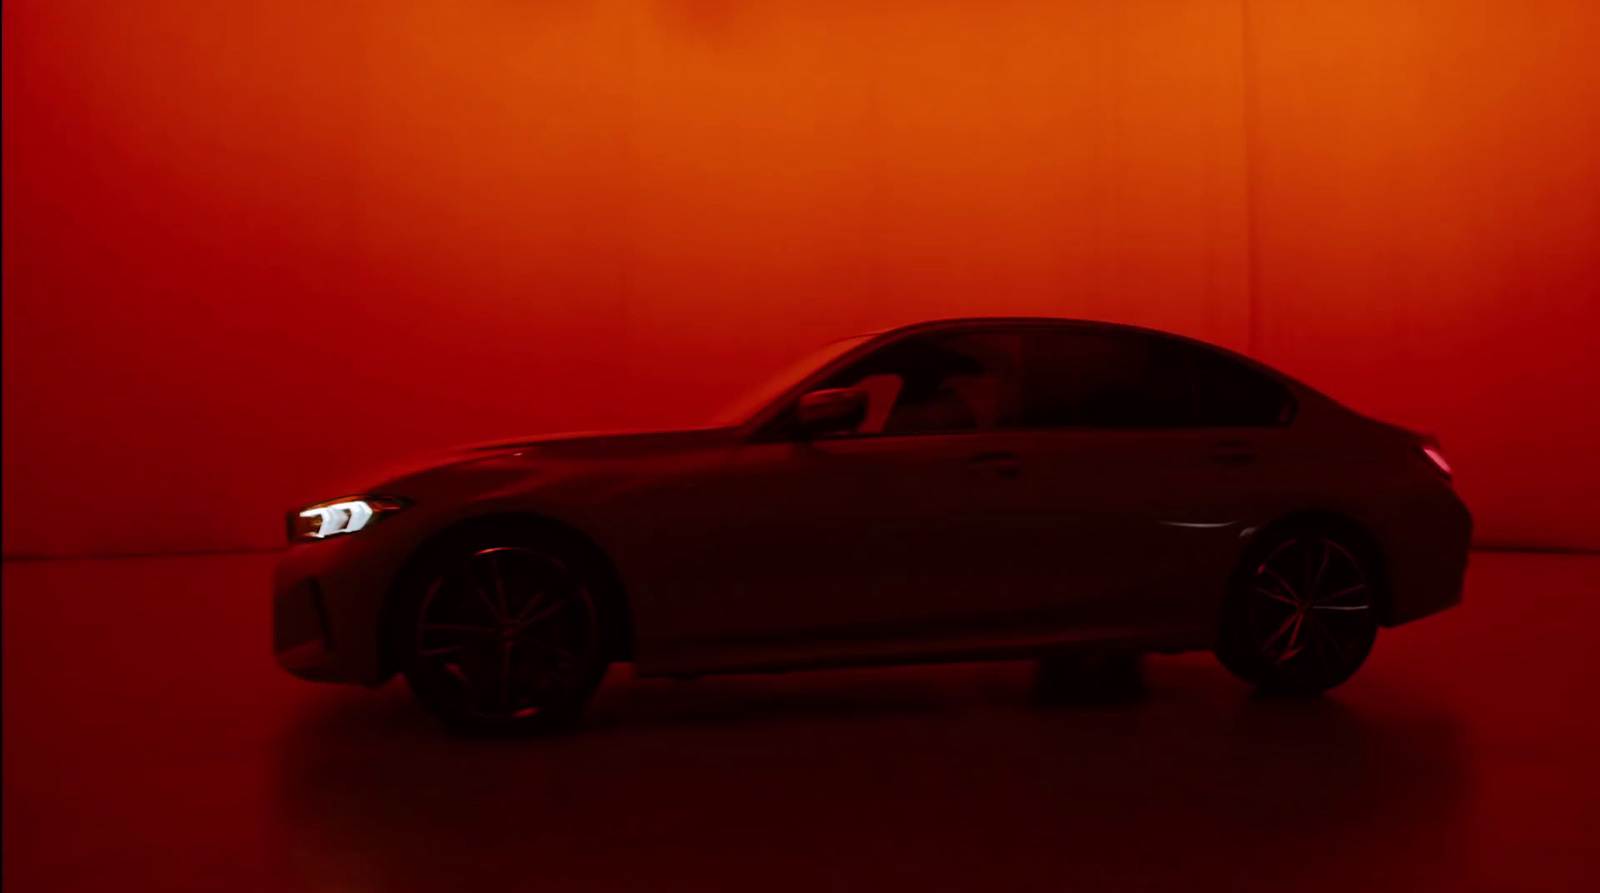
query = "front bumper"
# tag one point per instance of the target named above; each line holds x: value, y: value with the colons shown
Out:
x: 302, y: 638
x: 327, y: 606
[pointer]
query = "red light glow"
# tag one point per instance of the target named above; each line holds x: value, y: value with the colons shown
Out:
x: 1438, y: 460
x: 535, y: 217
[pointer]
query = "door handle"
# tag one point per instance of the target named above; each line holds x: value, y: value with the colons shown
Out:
x: 1005, y: 465
x: 1234, y: 452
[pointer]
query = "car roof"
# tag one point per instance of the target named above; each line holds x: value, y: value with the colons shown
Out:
x: 1092, y: 325
x: 1041, y: 322
x: 1298, y: 389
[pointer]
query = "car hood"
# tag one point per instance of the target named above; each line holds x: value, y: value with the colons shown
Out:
x: 568, y: 447
x: 587, y: 445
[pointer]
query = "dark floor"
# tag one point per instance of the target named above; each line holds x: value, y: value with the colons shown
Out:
x: 150, y: 744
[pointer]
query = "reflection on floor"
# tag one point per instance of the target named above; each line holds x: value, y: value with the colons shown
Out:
x: 150, y: 744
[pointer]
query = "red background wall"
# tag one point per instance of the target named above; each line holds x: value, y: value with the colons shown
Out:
x: 252, y: 247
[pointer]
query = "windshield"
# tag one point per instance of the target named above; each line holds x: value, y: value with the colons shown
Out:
x: 741, y: 410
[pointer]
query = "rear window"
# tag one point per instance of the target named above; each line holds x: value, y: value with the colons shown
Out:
x: 1083, y: 379
x: 1230, y: 394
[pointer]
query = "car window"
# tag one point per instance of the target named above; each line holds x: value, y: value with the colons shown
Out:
x: 762, y: 396
x: 936, y: 383
x: 882, y: 391
x: 1086, y: 379
x: 1231, y: 394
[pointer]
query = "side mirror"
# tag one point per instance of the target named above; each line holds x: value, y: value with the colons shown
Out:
x: 832, y: 411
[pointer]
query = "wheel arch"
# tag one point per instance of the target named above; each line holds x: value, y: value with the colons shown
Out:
x: 623, y: 649
x: 1339, y: 523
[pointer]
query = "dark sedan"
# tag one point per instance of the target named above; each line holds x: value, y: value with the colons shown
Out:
x: 955, y: 490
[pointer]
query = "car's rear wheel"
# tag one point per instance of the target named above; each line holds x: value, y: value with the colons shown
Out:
x: 505, y: 630
x: 1299, y: 617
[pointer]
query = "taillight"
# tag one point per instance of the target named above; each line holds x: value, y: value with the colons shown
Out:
x: 1437, y: 458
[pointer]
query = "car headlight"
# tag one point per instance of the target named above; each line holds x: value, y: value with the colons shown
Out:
x: 338, y: 517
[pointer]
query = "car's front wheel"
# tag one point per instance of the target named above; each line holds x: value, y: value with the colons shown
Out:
x: 1299, y: 617
x: 504, y: 629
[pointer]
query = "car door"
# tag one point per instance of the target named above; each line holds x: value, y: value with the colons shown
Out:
x: 873, y: 542
x: 1262, y: 469
x: 1122, y: 482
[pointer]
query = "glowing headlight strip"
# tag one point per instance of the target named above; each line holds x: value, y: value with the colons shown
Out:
x: 340, y: 517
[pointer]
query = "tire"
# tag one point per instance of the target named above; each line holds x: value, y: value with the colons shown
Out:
x: 505, y: 629
x: 1300, y: 614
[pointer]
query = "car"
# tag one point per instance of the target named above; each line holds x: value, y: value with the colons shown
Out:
x: 968, y: 489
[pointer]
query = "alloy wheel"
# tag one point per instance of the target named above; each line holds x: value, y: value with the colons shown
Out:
x: 1311, y: 608
x: 508, y: 633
